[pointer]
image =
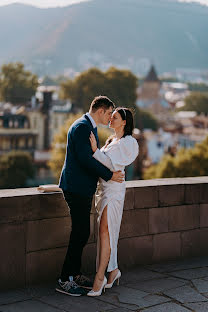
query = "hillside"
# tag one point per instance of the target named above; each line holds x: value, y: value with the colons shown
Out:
x: 129, y: 33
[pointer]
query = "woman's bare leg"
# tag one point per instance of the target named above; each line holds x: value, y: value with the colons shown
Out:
x: 104, y: 251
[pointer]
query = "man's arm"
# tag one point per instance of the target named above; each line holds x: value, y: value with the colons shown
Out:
x: 84, y: 153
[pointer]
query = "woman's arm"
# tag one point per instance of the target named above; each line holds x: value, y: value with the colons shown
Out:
x: 100, y: 156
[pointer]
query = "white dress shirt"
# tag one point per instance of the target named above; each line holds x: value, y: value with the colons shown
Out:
x: 92, y: 120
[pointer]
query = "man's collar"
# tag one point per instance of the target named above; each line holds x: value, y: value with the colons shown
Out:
x: 92, y: 120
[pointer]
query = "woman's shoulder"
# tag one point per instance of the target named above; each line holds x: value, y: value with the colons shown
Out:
x: 129, y: 144
x: 128, y: 140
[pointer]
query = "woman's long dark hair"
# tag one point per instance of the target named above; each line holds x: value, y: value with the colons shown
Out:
x: 126, y: 114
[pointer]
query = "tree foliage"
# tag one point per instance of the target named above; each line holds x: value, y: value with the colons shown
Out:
x: 119, y: 85
x: 15, y: 167
x: 196, y: 101
x: 59, y: 144
x: 187, y: 163
x: 16, y: 84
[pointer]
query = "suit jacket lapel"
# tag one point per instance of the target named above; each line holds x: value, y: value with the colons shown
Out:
x: 94, y: 130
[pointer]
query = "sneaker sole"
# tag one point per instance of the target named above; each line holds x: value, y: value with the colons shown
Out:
x: 66, y: 293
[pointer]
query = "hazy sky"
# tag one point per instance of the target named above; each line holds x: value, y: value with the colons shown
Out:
x: 55, y: 3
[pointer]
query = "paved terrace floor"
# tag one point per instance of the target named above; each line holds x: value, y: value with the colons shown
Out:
x: 177, y: 286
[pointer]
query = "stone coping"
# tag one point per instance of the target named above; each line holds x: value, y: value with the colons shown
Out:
x: 129, y: 184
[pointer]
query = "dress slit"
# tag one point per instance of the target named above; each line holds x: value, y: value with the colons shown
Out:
x: 112, y: 219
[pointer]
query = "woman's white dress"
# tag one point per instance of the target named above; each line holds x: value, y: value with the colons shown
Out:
x: 116, y: 156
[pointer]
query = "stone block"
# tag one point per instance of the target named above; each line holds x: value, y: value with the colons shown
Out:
x: 171, y: 195
x: 203, y: 241
x: 134, y: 223
x: 192, y: 193
x: 190, y: 243
x: 203, y: 193
x: 44, y: 265
x: 145, y: 197
x: 158, y: 220
x: 12, y: 268
x: 203, y: 215
x: 12, y: 209
x: 183, y: 217
x: 47, y: 233
x: 129, y: 199
x: 134, y: 250
x: 51, y: 233
x: 166, y: 246
x: 44, y: 206
x: 89, y: 258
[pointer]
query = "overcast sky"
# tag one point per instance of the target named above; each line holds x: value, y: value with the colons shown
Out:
x: 55, y: 3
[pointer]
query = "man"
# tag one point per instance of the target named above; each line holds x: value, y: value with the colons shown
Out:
x: 78, y: 181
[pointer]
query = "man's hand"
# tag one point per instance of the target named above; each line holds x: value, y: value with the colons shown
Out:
x: 118, y: 176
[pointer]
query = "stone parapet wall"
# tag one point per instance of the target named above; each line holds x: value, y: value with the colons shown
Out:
x: 163, y: 219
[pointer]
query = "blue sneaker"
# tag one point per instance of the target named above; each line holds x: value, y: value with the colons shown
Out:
x: 70, y: 288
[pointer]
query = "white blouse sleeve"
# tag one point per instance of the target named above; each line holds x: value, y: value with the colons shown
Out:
x: 124, y: 152
x: 104, y: 159
x: 120, y: 154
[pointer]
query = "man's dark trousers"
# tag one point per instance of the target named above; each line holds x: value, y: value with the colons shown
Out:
x: 80, y: 207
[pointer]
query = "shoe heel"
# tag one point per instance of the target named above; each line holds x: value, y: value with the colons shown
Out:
x: 118, y: 280
x: 104, y: 289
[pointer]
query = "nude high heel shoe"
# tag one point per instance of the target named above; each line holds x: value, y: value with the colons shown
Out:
x: 117, y: 277
x: 93, y: 293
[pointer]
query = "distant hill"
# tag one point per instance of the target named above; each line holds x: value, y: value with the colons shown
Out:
x: 129, y: 33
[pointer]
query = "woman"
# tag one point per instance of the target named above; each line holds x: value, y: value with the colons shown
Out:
x: 120, y: 150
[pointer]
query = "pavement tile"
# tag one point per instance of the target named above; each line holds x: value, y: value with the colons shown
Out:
x: 140, y: 274
x: 201, y: 285
x: 149, y: 301
x: 126, y: 291
x: 185, y: 294
x: 41, y: 290
x: 76, y: 304
x: 111, y: 296
x: 158, y: 285
x: 191, y: 274
x: 29, y: 306
x: 119, y: 310
x: 167, y: 307
x: 14, y: 296
x: 198, y: 307
x: 138, y: 298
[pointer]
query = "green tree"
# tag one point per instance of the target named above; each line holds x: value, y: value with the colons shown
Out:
x: 119, y: 85
x: 15, y: 167
x: 197, y: 102
x: 122, y: 86
x: 84, y: 88
x: 59, y: 144
x: 16, y: 84
x: 187, y: 163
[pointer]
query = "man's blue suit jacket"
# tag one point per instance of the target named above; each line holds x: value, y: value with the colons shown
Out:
x: 81, y: 171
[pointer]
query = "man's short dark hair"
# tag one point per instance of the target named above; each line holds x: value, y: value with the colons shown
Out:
x: 101, y: 101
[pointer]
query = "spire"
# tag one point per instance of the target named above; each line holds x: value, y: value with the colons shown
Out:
x: 152, y: 75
